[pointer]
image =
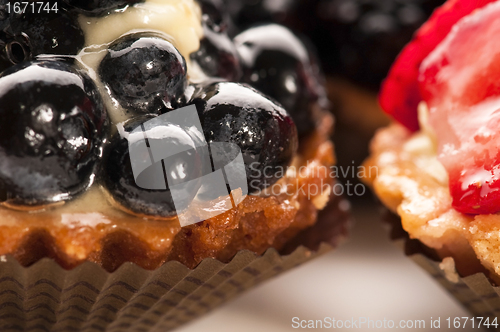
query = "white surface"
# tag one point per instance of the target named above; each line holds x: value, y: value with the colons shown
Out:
x: 366, y: 277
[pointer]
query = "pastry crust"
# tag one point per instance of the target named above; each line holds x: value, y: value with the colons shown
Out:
x: 411, y: 182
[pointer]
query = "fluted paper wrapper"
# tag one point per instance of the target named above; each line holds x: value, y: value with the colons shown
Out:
x: 475, y: 292
x: 45, y: 297
x: 87, y: 298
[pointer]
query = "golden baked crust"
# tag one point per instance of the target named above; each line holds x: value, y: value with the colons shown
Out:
x: 410, y: 181
x: 90, y: 229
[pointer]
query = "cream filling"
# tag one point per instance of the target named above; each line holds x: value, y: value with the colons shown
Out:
x: 423, y: 147
x: 179, y: 19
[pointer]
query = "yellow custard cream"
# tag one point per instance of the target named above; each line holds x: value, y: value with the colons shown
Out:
x: 178, y: 19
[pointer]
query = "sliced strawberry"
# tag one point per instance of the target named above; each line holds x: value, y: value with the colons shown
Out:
x: 400, y: 95
x: 460, y: 81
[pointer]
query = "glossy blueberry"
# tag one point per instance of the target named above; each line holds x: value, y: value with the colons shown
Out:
x: 24, y: 36
x: 52, y: 127
x: 182, y: 167
x: 217, y: 55
x: 265, y: 133
x: 144, y: 73
x: 214, y: 14
x: 99, y: 7
x: 276, y: 62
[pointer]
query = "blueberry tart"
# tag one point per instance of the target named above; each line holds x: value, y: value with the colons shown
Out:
x: 437, y: 163
x: 87, y: 88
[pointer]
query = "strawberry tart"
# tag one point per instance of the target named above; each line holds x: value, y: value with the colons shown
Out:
x: 439, y: 162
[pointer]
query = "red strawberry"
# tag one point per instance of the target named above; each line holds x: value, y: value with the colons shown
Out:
x: 400, y: 95
x: 460, y: 81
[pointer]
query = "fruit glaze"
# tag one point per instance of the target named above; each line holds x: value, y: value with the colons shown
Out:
x: 439, y: 169
x: 77, y: 80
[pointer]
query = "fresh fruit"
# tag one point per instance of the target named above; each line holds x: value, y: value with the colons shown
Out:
x: 53, y: 125
x: 217, y: 55
x: 144, y: 73
x: 214, y: 15
x: 99, y: 7
x: 265, y: 133
x: 151, y: 194
x: 276, y: 63
x: 26, y: 35
x: 400, y: 93
x: 460, y: 81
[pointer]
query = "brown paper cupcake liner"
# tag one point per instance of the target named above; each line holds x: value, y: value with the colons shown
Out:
x: 475, y: 292
x: 45, y: 297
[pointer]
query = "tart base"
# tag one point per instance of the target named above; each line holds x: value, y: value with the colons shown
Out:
x: 410, y: 181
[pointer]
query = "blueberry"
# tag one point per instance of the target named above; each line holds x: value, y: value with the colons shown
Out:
x: 26, y: 35
x: 53, y: 125
x: 214, y: 15
x: 265, y: 133
x: 133, y: 195
x: 217, y: 55
x: 99, y: 7
x: 277, y: 63
x: 144, y: 73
